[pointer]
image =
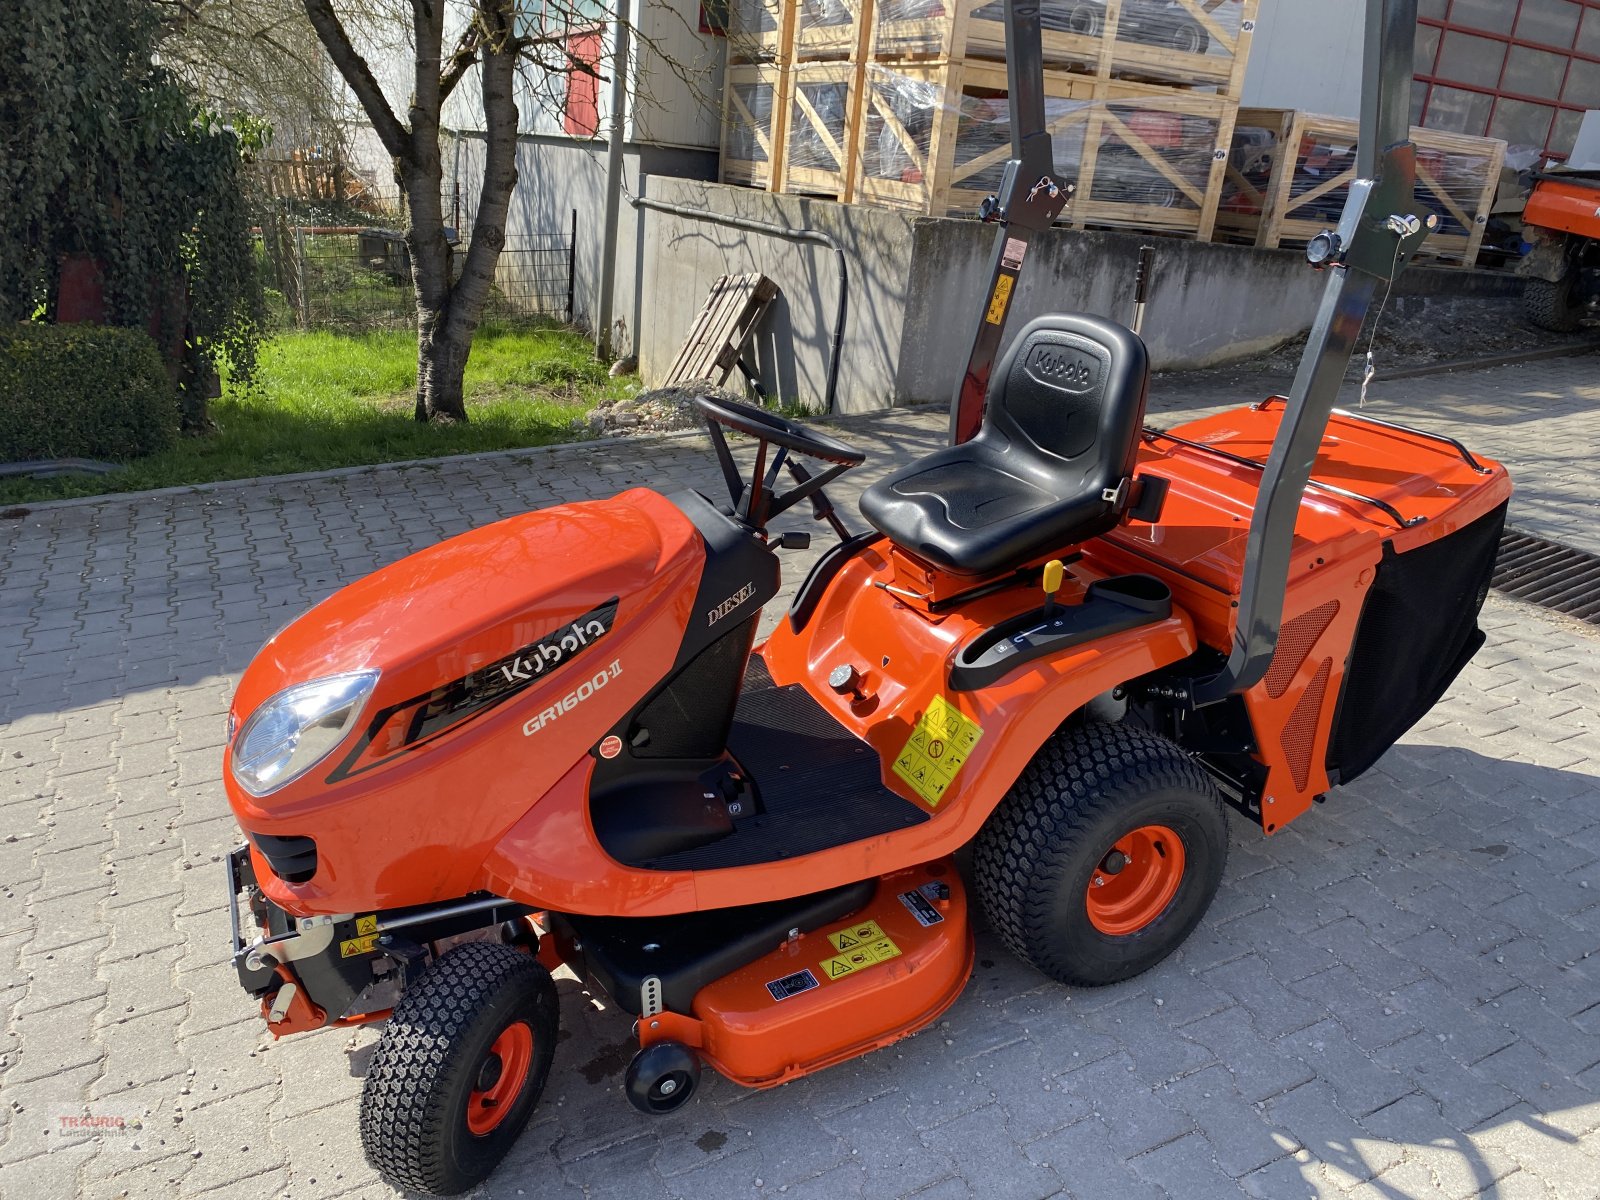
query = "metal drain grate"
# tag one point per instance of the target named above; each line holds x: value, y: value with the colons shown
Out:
x: 1548, y: 574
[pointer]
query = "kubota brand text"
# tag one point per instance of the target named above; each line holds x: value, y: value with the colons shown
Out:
x: 572, y: 699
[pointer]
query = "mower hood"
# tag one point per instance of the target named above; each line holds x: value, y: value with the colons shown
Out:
x: 467, y: 639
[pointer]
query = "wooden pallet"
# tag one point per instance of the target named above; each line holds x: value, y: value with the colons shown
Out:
x: 1258, y: 136
x: 797, y: 30
x: 753, y: 123
x: 1132, y: 40
x: 829, y: 29
x: 935, y: 137
x: 1304, y: 192
x: 821, y: 114
x: 722, y: 329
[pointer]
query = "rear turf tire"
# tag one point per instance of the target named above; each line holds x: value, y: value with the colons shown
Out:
x: 1554, y: 306
x: 1088, y: 789
x: 431, y: 1071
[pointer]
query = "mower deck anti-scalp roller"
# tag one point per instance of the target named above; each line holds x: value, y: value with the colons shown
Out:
x: 1066, y: 639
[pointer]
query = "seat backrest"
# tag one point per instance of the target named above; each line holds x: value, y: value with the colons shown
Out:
x: 1070, y: 395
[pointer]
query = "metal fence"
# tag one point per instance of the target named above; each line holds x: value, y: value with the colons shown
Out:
x: 350, y: 279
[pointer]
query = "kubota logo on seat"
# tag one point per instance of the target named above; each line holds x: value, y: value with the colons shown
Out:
x: 1061, y: 367
x: 571, y: 700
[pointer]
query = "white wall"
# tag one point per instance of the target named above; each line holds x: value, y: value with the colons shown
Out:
x: 1307, y: 55
x: 675, y: 74
x: 677, y: 77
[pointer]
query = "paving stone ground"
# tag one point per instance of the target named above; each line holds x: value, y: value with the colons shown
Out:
x: 1398, y: 996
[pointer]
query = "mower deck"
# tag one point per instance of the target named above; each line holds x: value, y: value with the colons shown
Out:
x: 836, y: 990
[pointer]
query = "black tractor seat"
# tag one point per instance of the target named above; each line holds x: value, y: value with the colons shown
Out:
x: 1051, y: 466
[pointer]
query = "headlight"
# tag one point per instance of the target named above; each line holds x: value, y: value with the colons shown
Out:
x: 296, y: 729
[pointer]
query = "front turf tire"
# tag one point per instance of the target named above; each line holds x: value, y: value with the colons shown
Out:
x: 1089, y: 789
x: 459, y: 1068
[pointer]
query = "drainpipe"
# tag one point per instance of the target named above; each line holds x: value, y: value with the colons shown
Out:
x: 608, y: 235
x: 842, y: 305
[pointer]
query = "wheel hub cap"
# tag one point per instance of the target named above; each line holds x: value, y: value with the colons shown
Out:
x: 1135, y: 881
x: 489, y: 1074
x: 500, y: 1080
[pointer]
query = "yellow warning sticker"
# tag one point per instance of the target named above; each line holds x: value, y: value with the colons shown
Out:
x: 998, y: 301
x: 358, y: 946
x: 867, y: 954
x: 366, y: 938
x: 938, y: 747
x: 856, y: 936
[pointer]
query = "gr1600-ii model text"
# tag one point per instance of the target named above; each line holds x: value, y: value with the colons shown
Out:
x: 1067, y: 638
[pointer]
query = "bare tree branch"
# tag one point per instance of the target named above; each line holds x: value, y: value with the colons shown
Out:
x: 356, y: 72
x: 461, y: 61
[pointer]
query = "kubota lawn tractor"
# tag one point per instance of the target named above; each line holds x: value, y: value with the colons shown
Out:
x: 1067, y: 639
x: 1562, y: 222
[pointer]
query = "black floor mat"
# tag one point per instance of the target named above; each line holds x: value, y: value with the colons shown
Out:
x: 820, y: 786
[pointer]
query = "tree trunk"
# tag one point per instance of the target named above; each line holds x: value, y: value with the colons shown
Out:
x: 441, y: 358
x: 448, y: 308
x: 452, y: 335
x: 441, y: 361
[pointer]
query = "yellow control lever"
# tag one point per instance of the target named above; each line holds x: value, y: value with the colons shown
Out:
x: 1054, y: 571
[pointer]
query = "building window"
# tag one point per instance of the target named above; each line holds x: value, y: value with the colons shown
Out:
x: 581, y: 113
x: 1521, y: 70
x: 714, y: 17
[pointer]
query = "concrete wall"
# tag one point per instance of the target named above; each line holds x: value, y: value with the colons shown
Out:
x: 1207, y: 304
x: 680, y: 258
x: 556, y: 175
x: 916, y: 286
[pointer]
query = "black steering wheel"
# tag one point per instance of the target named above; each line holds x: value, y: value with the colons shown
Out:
x: 757, y: 502
x: 780, y: 431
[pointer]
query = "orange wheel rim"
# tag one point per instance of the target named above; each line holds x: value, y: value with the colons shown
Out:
x: 1135, y: 880
x: 501, y: 1074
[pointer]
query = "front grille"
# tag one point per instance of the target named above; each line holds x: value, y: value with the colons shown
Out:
x: 1550, y: 575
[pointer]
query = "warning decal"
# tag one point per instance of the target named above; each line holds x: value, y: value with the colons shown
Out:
x: 367, y: 939
x: 856, y: 936
x: 866, y: 954
x: 997, y: 302
x: 938, y: 746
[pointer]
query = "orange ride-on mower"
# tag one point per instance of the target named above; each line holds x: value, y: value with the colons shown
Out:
x: 1066, y: 639
x: 1562, y: 223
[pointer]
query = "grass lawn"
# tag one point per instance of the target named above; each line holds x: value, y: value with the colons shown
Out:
x: 325, y: 400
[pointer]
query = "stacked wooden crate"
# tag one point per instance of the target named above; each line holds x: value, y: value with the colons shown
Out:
x: 752, y: 92
x: 903, y: 102
x: 1140, y: 101
x: 790, y: 103
x: 1290, y: 171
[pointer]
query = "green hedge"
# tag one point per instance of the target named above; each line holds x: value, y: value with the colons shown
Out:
x: 83, y: 391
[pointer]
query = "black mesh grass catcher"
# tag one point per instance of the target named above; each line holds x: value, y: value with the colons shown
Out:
x: 1418, y: 629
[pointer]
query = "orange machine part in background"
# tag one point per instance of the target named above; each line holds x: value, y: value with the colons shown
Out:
x: 1568, y: 207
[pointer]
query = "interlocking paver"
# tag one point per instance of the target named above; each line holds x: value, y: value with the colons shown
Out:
x: 1399, y: 995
